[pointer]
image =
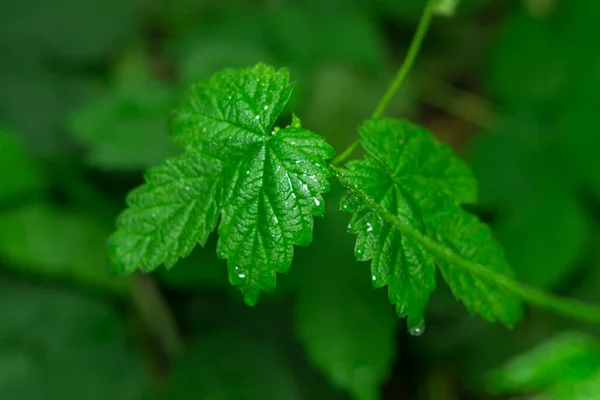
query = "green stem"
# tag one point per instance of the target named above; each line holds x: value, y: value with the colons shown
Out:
x: 413, y: 51
x: 561, y: 305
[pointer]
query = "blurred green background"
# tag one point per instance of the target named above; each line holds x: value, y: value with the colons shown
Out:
x: 86, y: 90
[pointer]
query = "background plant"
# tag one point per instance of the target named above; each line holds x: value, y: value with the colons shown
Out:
x: 80, y: 104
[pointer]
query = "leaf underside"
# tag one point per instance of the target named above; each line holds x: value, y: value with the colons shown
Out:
x: 264, y: 183
x: 420, y: 181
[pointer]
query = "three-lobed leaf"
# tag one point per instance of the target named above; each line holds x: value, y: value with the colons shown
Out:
x: 265, y: 183
x: 422, y: 184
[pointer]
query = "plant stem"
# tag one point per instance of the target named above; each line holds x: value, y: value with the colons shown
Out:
x: 156, y: 314
x: 561, y: 305
x: 411, y: 55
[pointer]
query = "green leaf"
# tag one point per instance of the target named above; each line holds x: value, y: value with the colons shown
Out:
x: 526, y: 70
x: 167, y: 216
x: 60, y: 345
x: 45, y: 241
x: 127, y: 127
x: 446, y: 7
x: 265, y: 183
x: 411, y: 176
x: 565, y: 367
x: 228, y: 366
x: 347, y: 328
x: 19, y: 171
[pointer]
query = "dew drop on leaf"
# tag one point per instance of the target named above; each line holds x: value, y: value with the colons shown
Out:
x: 221, y: 254
x: 317, y: 202
x: 417, y: 330
x: 266, y: 107
x: 359, y: 252
x: 369, y: 227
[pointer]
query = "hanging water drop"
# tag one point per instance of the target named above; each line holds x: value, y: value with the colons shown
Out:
x: 266, y: 107
x: 317, y: 202
x: 257, y: 117
x: 374, y: 278
x: 417, y: 330
x: 350, y: 226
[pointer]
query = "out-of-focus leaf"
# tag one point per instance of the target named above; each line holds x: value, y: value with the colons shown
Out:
x: 347, y: 328
x: 580, y: 141
x: 73, y: 30
x: 232, y: 40
x: 127, y: 128
x: 545, y: 235
x: 58, y: 345
x: 45, y: 241
x: 229, y: 366
x: 19, y: 173
x: 35, y: 102
x: 330, y: 111
x: 545, y: 228
x: 565, y: 367
x: 526, y: 70
x: 506, y: 159
x: 343, y: 35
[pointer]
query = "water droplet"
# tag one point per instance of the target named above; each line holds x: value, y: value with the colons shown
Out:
x: 369, y: 227
x: 317, y: 165
x: 350, y: 226
x: 257, y: 117
x: 241, y: 276
x: 275, y: 219
x: 273, y: 132
x: 266, y: 107
x: 359, y: 252
x: 374, y: 278
x: 417, y: 330
x: 317, y: 202
x: 220, y: 254
x: 247, y: 172
x: 298, y: 162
